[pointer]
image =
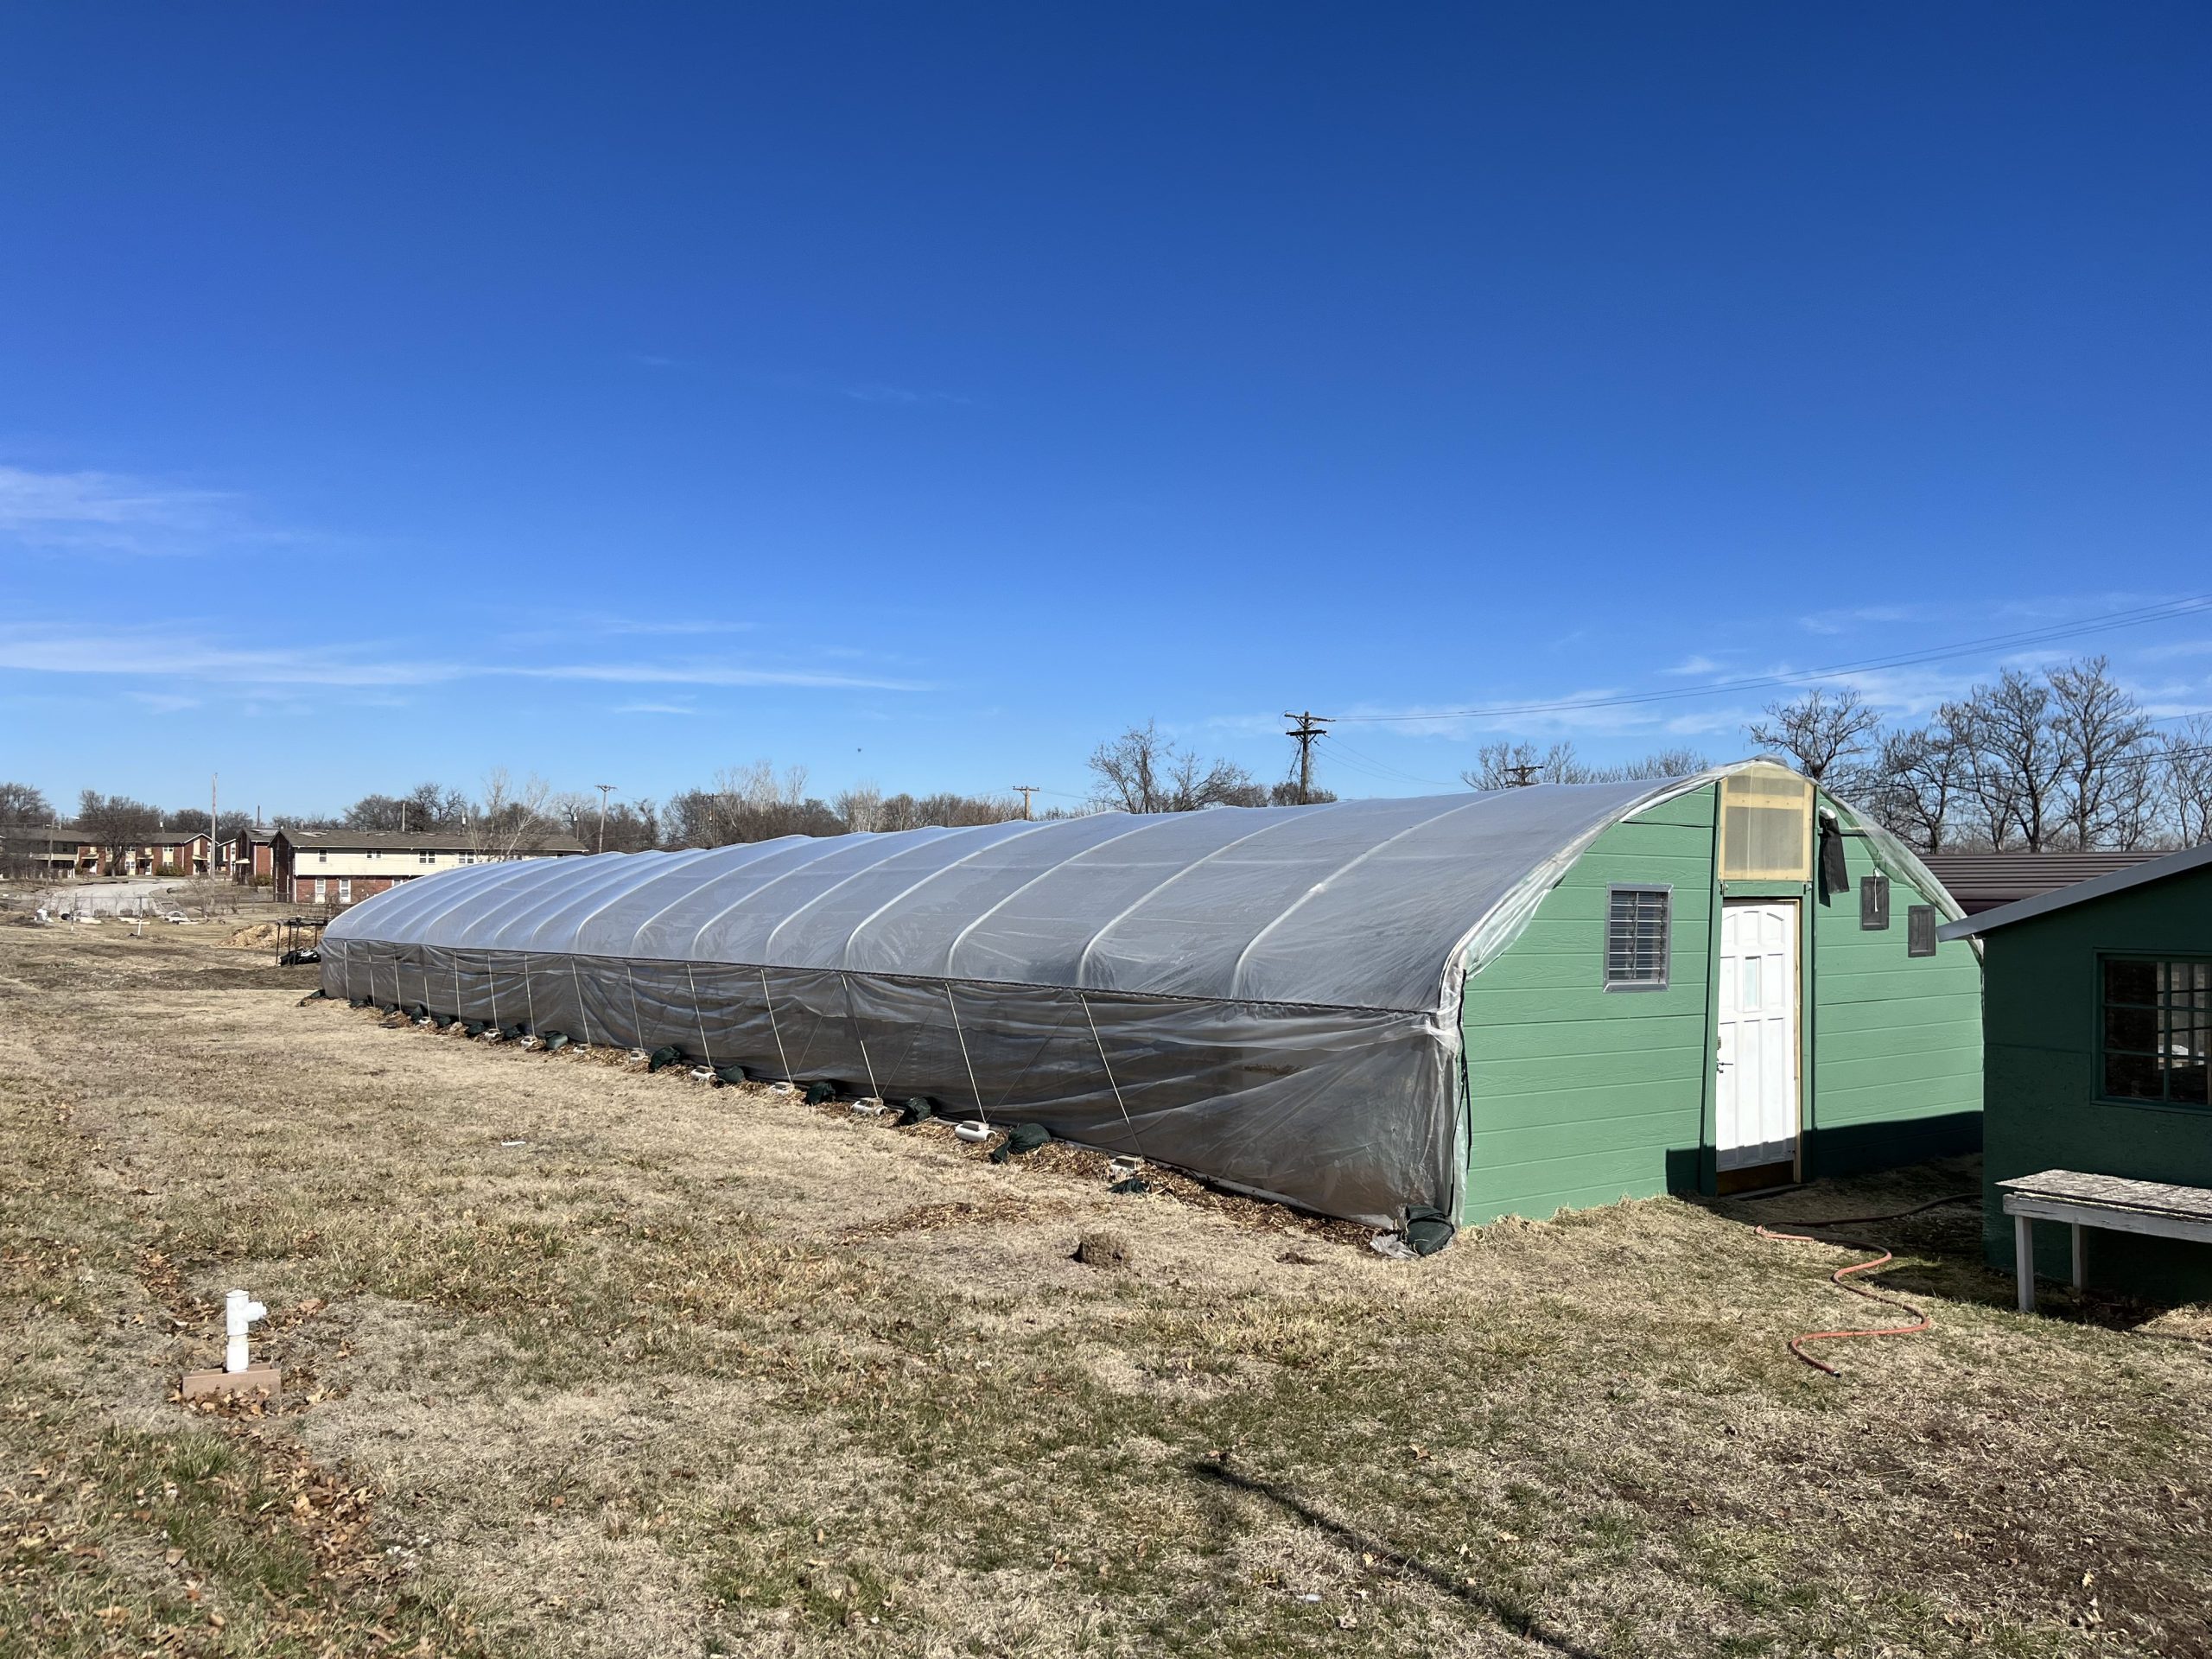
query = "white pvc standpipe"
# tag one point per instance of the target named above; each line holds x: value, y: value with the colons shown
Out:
x: 239, y: 1310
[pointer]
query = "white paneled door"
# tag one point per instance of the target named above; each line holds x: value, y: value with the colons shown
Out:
x: 1755, y: 1120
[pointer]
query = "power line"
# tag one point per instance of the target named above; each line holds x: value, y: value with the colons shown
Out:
x: 2192, y: 606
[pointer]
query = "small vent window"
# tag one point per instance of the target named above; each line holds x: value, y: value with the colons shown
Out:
x: 1873, y: 903
x: 1766, y: 826
x: 1920, y: 931
x: 1636, y: 928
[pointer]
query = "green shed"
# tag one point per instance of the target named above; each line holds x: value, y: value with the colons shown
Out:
x: 1804, y: 1020
x: 2097, y: 1010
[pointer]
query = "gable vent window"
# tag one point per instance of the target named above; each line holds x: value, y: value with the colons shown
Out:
x: 1766, y: 826
x: 1873, y: 903
x: 1636, y: 928
x: 1920, y: 929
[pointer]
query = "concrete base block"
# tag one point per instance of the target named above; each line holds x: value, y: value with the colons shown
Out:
x: 265, y: 1381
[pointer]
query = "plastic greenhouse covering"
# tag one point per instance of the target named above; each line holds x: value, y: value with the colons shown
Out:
x: 1266, y: 996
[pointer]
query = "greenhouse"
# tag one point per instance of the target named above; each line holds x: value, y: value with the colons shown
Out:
x: 1476, y: 1005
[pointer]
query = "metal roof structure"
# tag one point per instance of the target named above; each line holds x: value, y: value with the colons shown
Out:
x: 2153, y: 869
x: 1983, y: 882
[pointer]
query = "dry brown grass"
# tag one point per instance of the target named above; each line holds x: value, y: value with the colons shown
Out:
x: 696, y: 1370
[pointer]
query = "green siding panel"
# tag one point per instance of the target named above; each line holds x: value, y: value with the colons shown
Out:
x: 1896, y: 1040
x: 1579, y: 1096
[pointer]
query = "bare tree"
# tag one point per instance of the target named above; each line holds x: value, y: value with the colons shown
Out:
x: 1504, y: 764
x: 861, y: 808
x: 616, y: 827
x: 1501, y: 765
x: 24, y: 804
x: 1141, y: 772
x: 1819, y: 731
x: 115, y: 824
x: 2185, y: 758
x: 512, y: 818
x: 1915, y: 784
x: 425, y: 807
x: 2018, y: 768
x: 748, y: 804
x: 2104, y: 740
x: 26, y: 819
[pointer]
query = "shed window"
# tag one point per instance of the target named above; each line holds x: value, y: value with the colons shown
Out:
x: 1637, y: 938
x: 1920, y: 929
x: 2158, y: 1029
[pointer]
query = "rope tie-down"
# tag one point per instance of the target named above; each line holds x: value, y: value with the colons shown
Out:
x: 1841, y: 1278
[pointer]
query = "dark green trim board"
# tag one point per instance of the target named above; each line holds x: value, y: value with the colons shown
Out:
x: 2043, y: 1097
x: 1574, y: 1097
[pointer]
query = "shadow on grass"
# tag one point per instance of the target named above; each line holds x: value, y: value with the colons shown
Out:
x: 1504, y: 1612
x: 1939, y: 1249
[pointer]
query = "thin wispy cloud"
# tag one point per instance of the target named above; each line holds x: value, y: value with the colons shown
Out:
x: 1849, y: 620
x: 112, y: 514
x: 178, y: 654
x: 888, y: 394
x: 2173, y: 649
x: 879, y: 392
x: 1693, y: 666
x: 654, y: 708
x: 166, y: 703
x: 687, y: 626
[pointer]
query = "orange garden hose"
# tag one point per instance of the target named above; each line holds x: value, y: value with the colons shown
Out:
x: 1841, y: 1276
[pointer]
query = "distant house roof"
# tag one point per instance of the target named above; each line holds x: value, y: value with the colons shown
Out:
x: 2141, y: 871
x: 1983, y: 882
x: 435, y: 841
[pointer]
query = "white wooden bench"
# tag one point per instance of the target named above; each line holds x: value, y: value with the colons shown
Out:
x: 2082, y: 1200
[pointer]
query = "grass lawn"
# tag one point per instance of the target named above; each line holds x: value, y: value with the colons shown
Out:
x: 582, y: 1362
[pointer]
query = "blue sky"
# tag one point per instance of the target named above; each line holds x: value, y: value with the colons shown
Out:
x: 922, y: 394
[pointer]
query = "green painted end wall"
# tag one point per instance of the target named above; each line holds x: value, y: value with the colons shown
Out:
x: 1895, y: 1039
x: 2042, y: 1102
x: 1578, y: 1097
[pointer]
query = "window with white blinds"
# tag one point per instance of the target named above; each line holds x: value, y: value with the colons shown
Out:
x: 1637, y: 926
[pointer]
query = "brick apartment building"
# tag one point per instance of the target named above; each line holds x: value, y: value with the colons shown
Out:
x: 249, y: 856
x: 63, y: 850
x: 343, y: 867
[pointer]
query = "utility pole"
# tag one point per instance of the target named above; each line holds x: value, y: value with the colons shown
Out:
x: 1308, y: 728
x: 1521, y: 774
x: 214, y: 779
x: 1025, y: 791
x: 605, y: 789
